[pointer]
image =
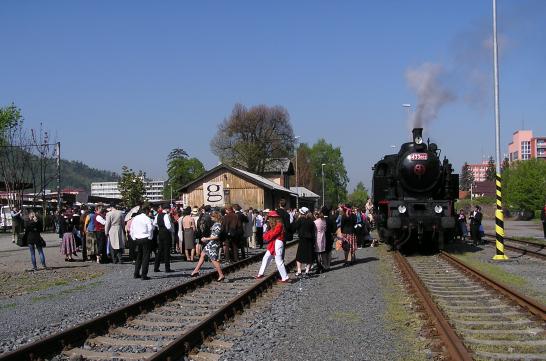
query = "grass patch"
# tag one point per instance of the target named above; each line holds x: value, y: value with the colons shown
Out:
x: 8, y: 306
x: 17, y: 284
x: 400, y: 313
x: 47, y: 284
x: 530, y: 239
x: 40, y: 298
x: 64, y: 292
x: 499, y: 274
x: 346, y: 316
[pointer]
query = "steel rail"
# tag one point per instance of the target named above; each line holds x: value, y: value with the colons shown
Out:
x: 531, y: 243
x: 455, y: 347
x: 183, y: 345
x: 523, y: 251
x: 535, y: 307
x: 76, y: 335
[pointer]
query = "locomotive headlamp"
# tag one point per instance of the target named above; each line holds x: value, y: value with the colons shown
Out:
x: 418, y: 140
x: 401, y: 209
x: 438, y: 209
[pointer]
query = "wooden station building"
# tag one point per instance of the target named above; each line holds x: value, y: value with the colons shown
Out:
x: 225, y: 185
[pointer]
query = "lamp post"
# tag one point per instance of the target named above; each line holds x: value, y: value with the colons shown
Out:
x: 296, y: 138
x: 408, y: 107
x: 322, y: 166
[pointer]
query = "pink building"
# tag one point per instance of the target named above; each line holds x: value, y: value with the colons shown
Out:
x: 524, y: 146
x: 479, y: 171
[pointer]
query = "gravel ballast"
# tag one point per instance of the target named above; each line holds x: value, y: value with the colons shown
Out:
x: 34, y: 315
x: 339, y: 315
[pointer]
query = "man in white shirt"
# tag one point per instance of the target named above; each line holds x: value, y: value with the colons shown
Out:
x: 142, y: 231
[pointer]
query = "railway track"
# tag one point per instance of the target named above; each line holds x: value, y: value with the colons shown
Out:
x: 166, y: 326
x: 533, y: 249
x: 477, y: 318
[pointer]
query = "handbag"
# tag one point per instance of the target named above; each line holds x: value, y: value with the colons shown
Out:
x: 41, y: 242
x: 21, y: 240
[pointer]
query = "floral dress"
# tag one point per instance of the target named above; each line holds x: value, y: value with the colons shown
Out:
x: 213, y: 246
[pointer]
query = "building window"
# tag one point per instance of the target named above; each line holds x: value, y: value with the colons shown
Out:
x: 515, y: 155
x: 525, y: 150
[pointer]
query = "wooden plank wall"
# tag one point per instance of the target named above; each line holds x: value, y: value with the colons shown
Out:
x: 241, y: 191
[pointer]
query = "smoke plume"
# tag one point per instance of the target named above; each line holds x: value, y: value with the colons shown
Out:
x: 431, y: 93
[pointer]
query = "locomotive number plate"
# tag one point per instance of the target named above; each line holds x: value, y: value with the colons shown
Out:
x: 418, y: 156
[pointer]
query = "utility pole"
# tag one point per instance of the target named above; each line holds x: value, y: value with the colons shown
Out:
x: 499, y: 216
x: 59, y: 196
x: 322, y: 166
x: 297, y: 181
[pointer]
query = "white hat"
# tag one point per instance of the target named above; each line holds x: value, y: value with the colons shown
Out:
x: 266, y: 210
x: 304, y: 210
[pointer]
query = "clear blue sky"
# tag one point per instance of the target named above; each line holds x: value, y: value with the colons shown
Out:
x: 124, y: 82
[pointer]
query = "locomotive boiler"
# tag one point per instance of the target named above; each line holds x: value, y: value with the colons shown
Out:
x: 414, y: 194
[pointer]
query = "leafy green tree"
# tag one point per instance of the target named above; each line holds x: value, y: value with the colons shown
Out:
x: 359, y: 196
x: 335, y: 174
x: 491, y: 172
x: 132, y: 187
x: 251, y: 138
x: 524, y: 184
x: 181, y: 169
x: 10, y: 117
x: 467, y: 178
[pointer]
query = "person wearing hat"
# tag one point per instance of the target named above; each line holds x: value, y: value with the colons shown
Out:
x: 275, y: 247
x: 305, y: 227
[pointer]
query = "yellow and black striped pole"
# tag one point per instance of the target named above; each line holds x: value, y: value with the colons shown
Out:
x: 499, y: 217
x: 499, y: 222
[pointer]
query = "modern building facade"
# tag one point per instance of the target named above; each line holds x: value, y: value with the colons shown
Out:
x: 525, y: 146
x: 479, y: 171
x: 154, y: 190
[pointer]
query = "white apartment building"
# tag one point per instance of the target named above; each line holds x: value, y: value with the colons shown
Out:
x: 154, y: 190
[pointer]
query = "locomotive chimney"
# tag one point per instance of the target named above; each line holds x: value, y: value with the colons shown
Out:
x: 417, y: 135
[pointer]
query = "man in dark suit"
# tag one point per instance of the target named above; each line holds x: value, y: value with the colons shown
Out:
x: 241, y: 240
x: 475, y: 223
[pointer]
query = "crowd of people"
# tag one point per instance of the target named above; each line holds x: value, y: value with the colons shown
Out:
x: 103, y: 234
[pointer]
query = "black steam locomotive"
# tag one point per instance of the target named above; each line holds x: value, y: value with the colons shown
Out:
x: 414, y: 194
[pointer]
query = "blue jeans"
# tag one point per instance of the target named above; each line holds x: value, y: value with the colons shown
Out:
x: 33, y: 255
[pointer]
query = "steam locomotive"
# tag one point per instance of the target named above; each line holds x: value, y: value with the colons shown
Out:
x: 414, y: 194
